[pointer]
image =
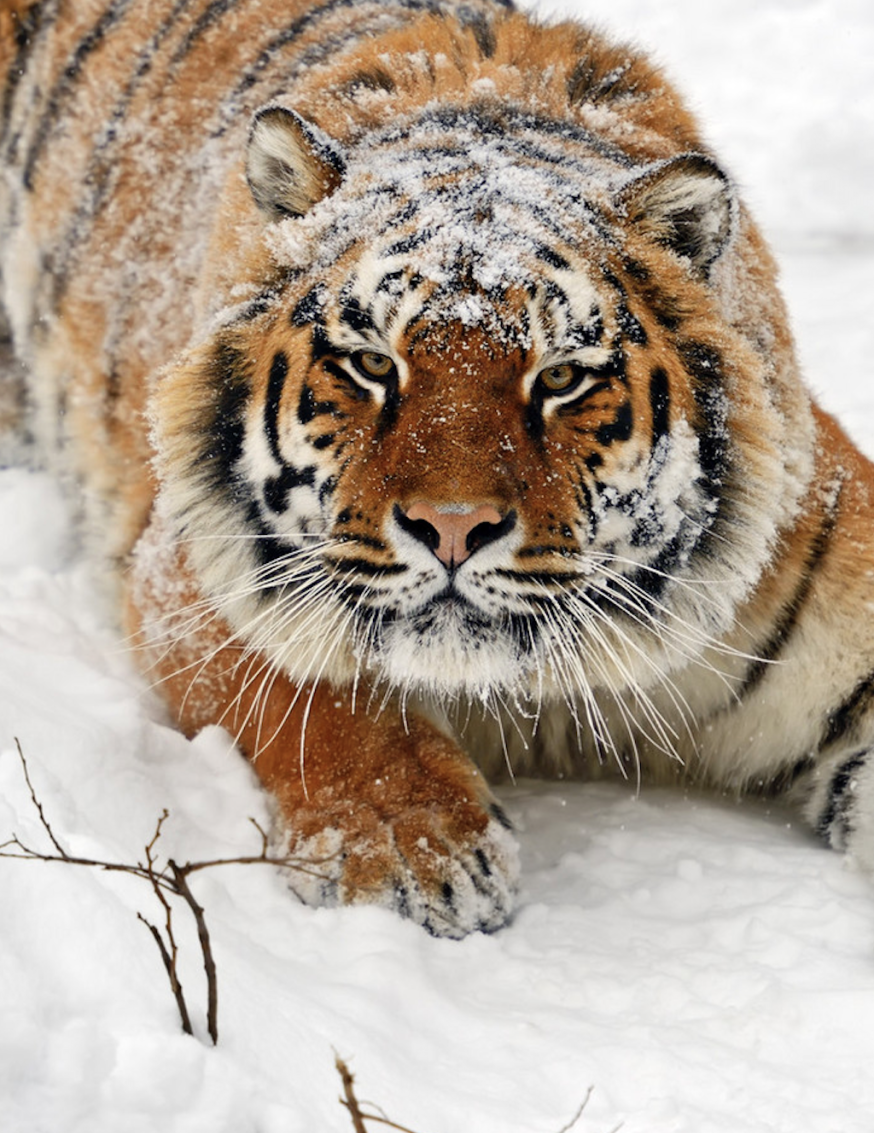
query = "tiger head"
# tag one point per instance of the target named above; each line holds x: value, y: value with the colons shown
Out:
x: 486, y: 423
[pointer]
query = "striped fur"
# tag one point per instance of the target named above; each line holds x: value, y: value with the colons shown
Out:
x: 433, y: 401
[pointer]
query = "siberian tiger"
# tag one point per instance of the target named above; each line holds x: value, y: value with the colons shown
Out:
x: 433, y: 402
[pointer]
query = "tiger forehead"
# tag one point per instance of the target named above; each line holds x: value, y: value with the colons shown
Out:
x: 442, y: 193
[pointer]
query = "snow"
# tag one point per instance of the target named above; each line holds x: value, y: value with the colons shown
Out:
x: 705, y: 966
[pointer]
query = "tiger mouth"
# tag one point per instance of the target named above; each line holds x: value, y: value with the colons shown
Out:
x: 447, y: 607
x: 449, y: 642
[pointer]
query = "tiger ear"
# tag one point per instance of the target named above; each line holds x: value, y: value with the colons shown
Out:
x: 685, y: 203
x: 290, y: 164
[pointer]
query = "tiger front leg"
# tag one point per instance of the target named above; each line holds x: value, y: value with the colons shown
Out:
x: 389, y: 812
x: 380, y: 809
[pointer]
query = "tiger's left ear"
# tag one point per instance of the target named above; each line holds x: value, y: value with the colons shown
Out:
x: 685, y: 203
x: 290, y: 164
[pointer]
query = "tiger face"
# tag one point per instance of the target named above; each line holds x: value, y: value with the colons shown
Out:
x: 467, y: 454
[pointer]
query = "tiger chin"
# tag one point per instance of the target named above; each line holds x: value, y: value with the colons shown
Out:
x: 434, y: 406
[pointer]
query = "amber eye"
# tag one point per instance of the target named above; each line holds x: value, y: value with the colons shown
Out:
x: 373, y: 365
x: 558, y: 379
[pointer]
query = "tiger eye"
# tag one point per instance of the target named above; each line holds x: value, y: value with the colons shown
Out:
x: 559, y: 378
x: 373, y: 364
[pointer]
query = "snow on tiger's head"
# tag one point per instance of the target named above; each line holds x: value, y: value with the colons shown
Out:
x: 489, y: 421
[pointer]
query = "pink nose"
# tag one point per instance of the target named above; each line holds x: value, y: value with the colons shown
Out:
x: 453, y: 537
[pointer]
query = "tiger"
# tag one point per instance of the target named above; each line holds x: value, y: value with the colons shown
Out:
x: 435, y: 419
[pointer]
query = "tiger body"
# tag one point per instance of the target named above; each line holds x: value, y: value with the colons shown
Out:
x: 435, y: 406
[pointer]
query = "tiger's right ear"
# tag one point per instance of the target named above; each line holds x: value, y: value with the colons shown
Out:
x: 291, y: 164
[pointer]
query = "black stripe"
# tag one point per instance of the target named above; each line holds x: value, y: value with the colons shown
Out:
x: 481, y: 27
x: 542, y: 577
x: 370, y: 78
x: 703, y: 363
x: 834, y: 822
x: 59, y: 97
x: 37, y: 17
x: 271, y: 551
x: 539, y: 550
x: 363, y: 541
x: 849, y: 714
x: 273, y: 401
x: 590, y: 83
x: 501, y: 121
x: 786, y: 779
x: 351, y: 387
x: 211, y: 14
x: 787, y: 619
x: 551, y: 257
x: 328, y: 488
x: 619, y: 429
x: 660, y: 403
x: 310, y: 308
x: 356, y: 317
x: 276, y: 489
x: 294, y: 31
x: 223, y: 427
x: 308, y: 408
x: 365, y: 567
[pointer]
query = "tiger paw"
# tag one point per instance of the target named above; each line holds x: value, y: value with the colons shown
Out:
x: 453, y: 873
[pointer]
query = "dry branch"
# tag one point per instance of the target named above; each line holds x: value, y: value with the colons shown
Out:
x: 351, y: 1102
x: 169, y: 880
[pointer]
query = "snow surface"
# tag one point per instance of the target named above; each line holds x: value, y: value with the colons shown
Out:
x: 707, y: 967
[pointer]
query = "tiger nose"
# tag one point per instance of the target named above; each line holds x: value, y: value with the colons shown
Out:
x: 454, y: 536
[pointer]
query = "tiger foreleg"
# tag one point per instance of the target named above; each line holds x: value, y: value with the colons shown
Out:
x: 378, y: 807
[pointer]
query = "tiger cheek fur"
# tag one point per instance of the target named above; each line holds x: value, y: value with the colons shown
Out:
x: 435, y: 408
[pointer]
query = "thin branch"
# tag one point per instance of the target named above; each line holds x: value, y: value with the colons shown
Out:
x: 45, y: 822
x: 184, y: 891
x: 170, y: 966
x: 350, y: 1101
x: 576, y: 1117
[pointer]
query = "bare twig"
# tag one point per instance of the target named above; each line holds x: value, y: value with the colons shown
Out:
x: 166, y: 881
x: 37, y: 803
x: 172, y: 975
x: 182, y: 888
x: 350, y: 1101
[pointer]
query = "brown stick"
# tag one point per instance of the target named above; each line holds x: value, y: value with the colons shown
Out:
x: 182, y: 888
x: 350, y: 1101
x: 172, y: 975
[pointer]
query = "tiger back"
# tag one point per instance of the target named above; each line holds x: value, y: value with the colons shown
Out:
x: 433, y: 403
